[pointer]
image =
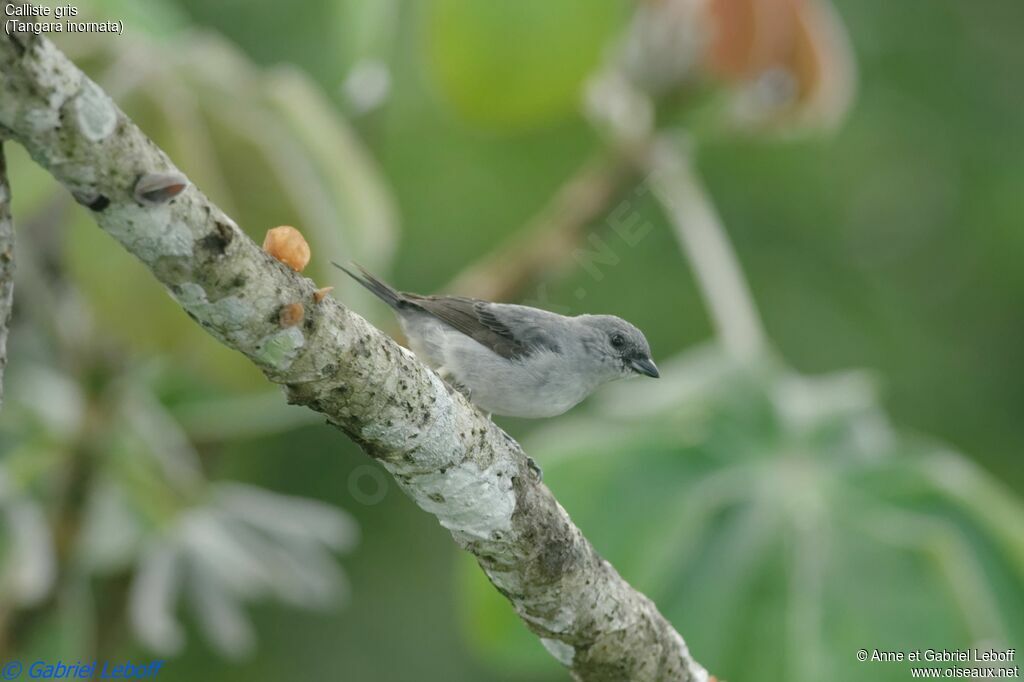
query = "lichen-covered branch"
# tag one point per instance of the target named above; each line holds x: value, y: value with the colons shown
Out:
x: 6, y: 265
x: 452, y: 460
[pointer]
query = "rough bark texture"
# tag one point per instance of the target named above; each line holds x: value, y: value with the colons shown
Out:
x: 6, y: 265
x: 445, y: 454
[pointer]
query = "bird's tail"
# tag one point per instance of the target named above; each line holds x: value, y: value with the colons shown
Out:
x: 381, y: 290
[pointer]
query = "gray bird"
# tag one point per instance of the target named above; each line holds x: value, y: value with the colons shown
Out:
x: 514, y: 360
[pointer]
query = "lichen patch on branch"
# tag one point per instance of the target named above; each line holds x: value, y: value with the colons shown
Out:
x: 95, y: 112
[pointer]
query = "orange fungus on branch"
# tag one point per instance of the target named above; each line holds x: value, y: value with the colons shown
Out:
x: 287, y: 245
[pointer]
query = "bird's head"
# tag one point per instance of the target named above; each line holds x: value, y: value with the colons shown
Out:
x: 619, y: 345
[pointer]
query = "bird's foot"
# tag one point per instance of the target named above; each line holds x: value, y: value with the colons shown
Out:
x: 466, y: 392
x: 535, y: 468
x: 446, y: 378
x: 453, y: 385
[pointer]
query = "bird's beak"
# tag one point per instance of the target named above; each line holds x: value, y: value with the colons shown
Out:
x: 646, y: 367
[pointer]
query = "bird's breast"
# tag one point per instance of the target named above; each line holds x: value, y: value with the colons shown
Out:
x: 539, y: 385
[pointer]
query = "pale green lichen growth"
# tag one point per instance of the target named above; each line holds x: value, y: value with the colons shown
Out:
x: 434, y: 440
x: 190, y: 295
x: 55, y: 86
x: 228, y: 318
x: 96, y: 114
x: 149, y: 232
x: 472, y: 502
x: 280, y: 348
x: 563, y: 653
x: 229, y: 314
x: 175, y: 240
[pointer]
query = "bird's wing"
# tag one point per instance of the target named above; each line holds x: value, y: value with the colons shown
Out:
x: 511, y: 331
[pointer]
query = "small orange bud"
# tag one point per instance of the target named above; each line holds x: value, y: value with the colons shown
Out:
x: 287, y: 245
x: 321, y: 294
x: 291, y: 314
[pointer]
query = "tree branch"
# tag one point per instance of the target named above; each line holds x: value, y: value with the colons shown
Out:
x: 454, y: 462
x: 6, y: 265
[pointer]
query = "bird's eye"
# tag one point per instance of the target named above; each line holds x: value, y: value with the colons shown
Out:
x: 618, y: 340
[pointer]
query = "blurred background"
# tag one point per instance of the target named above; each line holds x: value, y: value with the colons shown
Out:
x: 813, y: 210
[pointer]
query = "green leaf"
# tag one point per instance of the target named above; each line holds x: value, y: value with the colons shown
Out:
x: 513, y: 65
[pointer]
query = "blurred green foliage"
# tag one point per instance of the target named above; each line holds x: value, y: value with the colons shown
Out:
x: 892, y: 245
x: 779, y: 522
x: 512, y: 65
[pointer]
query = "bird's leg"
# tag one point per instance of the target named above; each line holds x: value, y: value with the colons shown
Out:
x: 535, y: 468
x: 446, y: 377
x: 453, y: 383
